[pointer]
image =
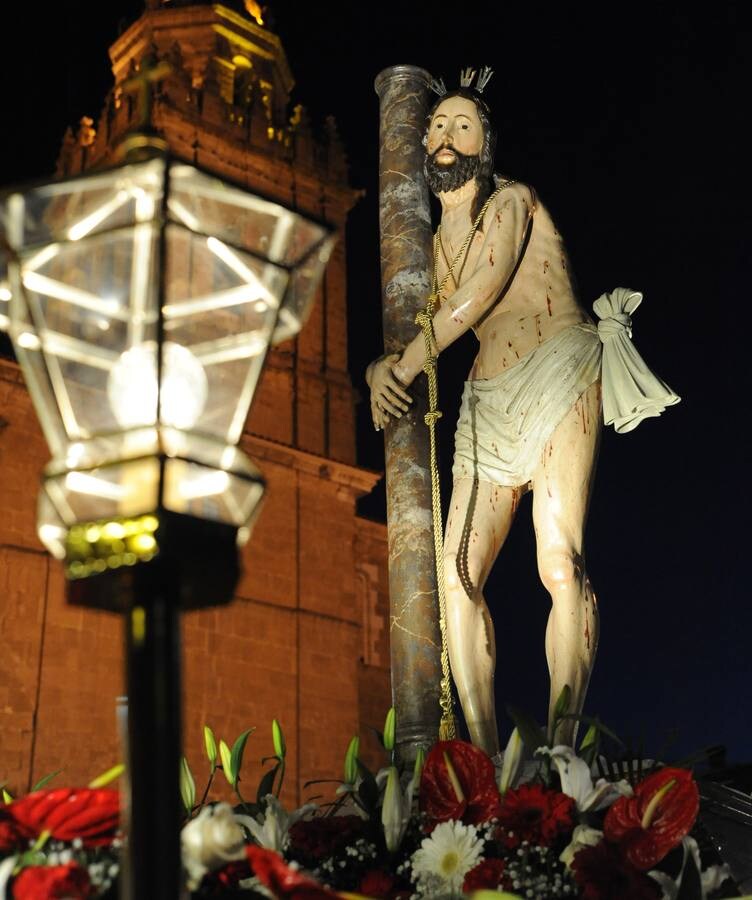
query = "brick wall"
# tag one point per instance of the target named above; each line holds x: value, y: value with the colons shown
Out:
x: 304, y: 642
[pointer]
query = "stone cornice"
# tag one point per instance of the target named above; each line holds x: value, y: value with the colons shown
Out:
x: 359, y: 481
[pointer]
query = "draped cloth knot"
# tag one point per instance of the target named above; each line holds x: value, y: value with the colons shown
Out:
x: 631, y: 392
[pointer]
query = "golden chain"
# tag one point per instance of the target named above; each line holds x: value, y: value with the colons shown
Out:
x: 447, y: 727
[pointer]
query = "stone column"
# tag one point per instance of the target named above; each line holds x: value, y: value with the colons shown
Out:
x: 406, y: 250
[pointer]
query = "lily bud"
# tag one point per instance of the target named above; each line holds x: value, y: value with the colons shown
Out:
x: 392, y: 810
x: 420, y: 759
x: 390, y: 726
x: 226, y: 757
x: 351, y: 760
x: 512, y: 759
x: 7, y: 798
x: 187, y: 785
x: 278, y: 739
x: 107, y: 777
x: 211, y: 746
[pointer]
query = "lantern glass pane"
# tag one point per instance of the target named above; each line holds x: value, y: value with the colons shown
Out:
x: 220, y: 309
x: 208, y: 493
x: 91, y: 302
x: 123, y: 488
x: 81, y: 207
x: 262, y: 227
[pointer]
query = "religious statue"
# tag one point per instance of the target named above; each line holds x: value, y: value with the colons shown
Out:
x: 544, y: 378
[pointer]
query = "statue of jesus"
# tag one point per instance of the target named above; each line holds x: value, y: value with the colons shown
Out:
x: 531, y: 411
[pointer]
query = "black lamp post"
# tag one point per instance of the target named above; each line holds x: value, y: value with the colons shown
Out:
x: 141, y: 302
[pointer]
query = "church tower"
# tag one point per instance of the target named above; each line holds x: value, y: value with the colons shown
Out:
x: 306, y: 639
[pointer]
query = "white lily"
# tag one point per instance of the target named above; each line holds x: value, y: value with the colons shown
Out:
x: 512, y: 760
x: 710, y: 880
x: 271, y: 829
x: 577, y: 783
x: 582, y: 837
x: 396, y: 806
x: 210, y: 840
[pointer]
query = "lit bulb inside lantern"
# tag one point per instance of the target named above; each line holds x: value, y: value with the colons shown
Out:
x: 132, y: 386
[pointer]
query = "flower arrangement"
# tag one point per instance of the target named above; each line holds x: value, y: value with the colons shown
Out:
x: 453, y: 826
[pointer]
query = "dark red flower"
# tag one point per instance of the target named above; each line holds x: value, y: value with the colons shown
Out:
x: 487, y: 875
x: 49, y: 882
x: 11, y: 836
x: 318, y: 838
x: 68, y: 813
x: 603, y: 873
x: 283, y: 881
x: 653, y: 822
x: 376, y: 883
x: 459, y: 782
x: 534, y: 814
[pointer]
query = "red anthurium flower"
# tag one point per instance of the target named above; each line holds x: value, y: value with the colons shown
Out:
x: 459, y: 782
x: 603, y: 873
x: 49, y: 882
x: 487, y: 875
x: 68, y: 813
x: 283, y: 881
x: 534, y: 814
x: 661, y: 813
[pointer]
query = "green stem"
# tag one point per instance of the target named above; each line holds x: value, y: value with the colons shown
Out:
x: 206, y: 792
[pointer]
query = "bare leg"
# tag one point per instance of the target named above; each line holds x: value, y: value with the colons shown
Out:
x: 562, y: 484
x: 470, y: 633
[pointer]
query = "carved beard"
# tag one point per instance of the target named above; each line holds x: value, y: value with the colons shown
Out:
x: 452, y: 177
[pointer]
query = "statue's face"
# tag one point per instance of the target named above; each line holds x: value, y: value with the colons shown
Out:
x: 455, y: 129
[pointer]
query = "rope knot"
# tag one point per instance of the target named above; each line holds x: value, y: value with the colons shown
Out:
x: 432, y: 417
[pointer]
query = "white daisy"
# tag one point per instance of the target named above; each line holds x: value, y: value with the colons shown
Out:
x: 443, y: 859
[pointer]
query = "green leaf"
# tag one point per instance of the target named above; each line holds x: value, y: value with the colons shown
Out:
x: 390, y: 727
x: 531, y: 733
x: 187, y: 785
x: 351, y: 760
x: 589, y: 720
x: 226, y: 757
x: 368, y: 792
x: 45, y: 781
x: 562, y: 704
x: 108, y: 777
x: 211, y: 746
x: 278, y: 739
x: 266, y: 785
x: 236, y: 758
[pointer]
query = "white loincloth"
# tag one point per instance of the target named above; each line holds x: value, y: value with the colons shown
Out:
x: 505, y: 421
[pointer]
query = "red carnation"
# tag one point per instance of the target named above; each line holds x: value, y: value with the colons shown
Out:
x: 534, y: 814
x: 69, y: 813
x: 283, y: 881
x: 487, y: 875
x: 323, y: 836
x: 661, y: 813
x: 48, y: 882
x: 459, y: 782
x: 604, y: 874
x: 376, y: 883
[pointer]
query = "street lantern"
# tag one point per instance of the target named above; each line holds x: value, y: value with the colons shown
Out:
x: 141, y: 302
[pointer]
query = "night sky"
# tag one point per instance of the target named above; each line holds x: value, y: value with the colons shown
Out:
x: 628, y: 123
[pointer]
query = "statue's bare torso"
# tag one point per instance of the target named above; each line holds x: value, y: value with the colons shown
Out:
x: 541, y: 299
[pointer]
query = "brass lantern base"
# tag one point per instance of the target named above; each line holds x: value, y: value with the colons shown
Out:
x: 112, y: 564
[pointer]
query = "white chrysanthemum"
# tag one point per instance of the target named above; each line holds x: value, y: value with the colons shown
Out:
x: 443, y: 859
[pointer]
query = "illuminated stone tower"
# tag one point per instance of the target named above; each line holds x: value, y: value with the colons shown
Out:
x: 306, y: 639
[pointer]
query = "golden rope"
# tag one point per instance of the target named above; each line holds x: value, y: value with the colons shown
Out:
x: 447, y: 726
